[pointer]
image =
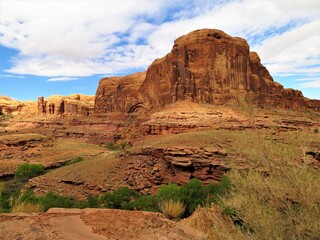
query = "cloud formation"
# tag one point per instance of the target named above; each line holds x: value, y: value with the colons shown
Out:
x: 11, y: 76
x: 59, y: 79
x: 70, y: 39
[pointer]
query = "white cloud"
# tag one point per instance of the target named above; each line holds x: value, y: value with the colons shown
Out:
x: 11, y: 76
x: 82, y: 38
x: 61, y: 79
x: 309, y: 82
x: 295, y: 52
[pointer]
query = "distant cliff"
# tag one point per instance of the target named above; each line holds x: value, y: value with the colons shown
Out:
x: 53, y: 105
x: 206, y: 66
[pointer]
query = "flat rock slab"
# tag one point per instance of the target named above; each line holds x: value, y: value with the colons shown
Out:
x: 92, y: 224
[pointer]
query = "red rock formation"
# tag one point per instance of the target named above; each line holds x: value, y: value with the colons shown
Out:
x: 9, y: 106
x: 147, y: 169
x: 53, y: 105
x: 119, y: 94
x: 206, y: 66
x: 73, y: 104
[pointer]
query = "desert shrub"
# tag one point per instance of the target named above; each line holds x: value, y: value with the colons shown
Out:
x: 111, y: 146
x: 92, y: 202
x: 316, y: 131
x: 195, y: 195
x: 5, y: 200
x: 27, y: 171
x: 146, y: 203
x: 171, y: 191
x: 121, y: 198
x: 75, y: 160
x: 117, y: 147
x: 9, y: 192
x: 172, y: 209
x: 51, y: 200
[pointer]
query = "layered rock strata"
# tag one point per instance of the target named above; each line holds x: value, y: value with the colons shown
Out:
x: 205, y: 66
x: 149, y: 168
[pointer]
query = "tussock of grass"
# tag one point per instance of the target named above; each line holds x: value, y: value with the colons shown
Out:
x: 21, y: 205
x: 282, y: 202
x: 172, y: 209
x: 27, y: 207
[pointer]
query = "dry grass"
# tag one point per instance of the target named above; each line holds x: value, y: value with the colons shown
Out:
x: 172, y: 209
x: 282, y: 204
x: 14, y: 138
x: 26, y: 207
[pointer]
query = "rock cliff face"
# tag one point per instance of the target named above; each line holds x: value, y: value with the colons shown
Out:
x: 9, y: 106
x: 119, y: 94
x: 73, y: 104
x: 205, y: 66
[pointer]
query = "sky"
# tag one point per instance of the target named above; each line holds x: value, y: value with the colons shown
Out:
x: 61, y: 47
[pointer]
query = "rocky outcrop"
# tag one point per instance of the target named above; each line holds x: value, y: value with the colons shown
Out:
x: 53, y: 105
x: 120, y: 94
x: 149, y: 168
x: 204, y: 66
x: 9, y: 106
x: 73, y: 104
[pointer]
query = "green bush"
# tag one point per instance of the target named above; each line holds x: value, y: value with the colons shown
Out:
x: 27, y: 171
x: 9, y: 192
x: 219, y: 190
x: 146, y: 203
x: 196, y: 195
x: 51, y: 200
x: 121, y: 198
x: 5, y: 200
x: 111, y: 146
x: 75, y: 160
x: 193, y: 194
x: 92, y: 202
x: 116, y: 147
x: 171, y: 191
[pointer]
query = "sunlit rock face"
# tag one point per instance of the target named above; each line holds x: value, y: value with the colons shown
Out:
x: 205, y: 66
x: 73, y: 104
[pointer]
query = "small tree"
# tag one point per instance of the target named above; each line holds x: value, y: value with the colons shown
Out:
x: 121, y: 198
x: 27, y: 171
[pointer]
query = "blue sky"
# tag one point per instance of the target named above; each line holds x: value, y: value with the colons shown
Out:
x: 66, y: 46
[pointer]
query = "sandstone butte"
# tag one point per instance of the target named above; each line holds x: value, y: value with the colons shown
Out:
x: 53, y: 105
x: 204, y: 66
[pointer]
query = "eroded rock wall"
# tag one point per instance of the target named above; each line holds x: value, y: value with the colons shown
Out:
x: 205, y: 66
x: 73, y: 104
